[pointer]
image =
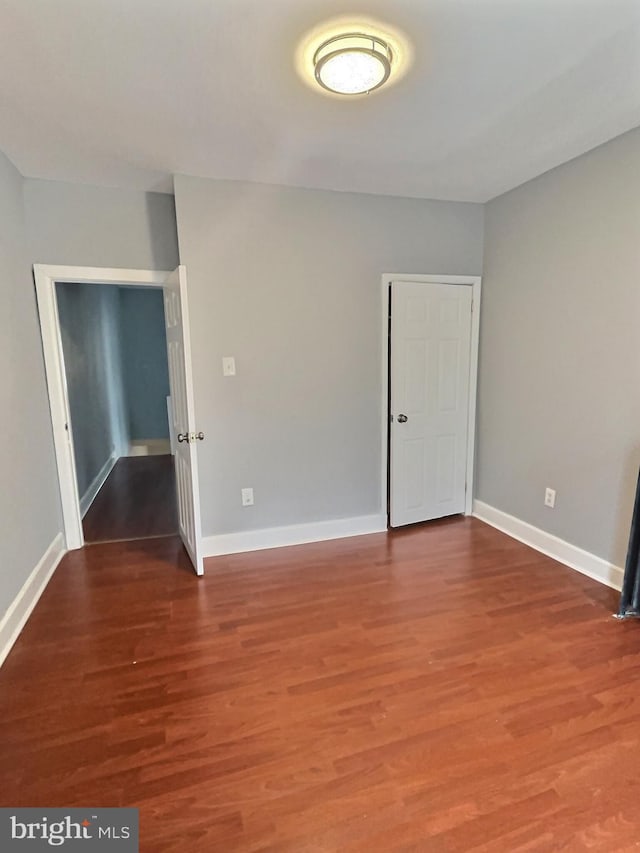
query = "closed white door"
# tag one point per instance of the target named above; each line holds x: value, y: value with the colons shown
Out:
x: 430, y: 360
x: 183, y: 414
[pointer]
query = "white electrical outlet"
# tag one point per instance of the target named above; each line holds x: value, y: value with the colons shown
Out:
x: 228, y: 366
x: 550, y: 497
x: 247, y: 497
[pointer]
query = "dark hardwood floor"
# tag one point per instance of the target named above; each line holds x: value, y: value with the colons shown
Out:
x: 137, y: 500
x: 439, y: 688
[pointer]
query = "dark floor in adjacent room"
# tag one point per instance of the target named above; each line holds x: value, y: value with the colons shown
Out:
x: 137, y: 500
x: 438, y: 688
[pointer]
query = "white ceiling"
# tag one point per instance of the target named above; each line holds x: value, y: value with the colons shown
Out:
x: 130, y: 92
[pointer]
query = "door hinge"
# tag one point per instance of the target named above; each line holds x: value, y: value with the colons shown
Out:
x: 390, y: 418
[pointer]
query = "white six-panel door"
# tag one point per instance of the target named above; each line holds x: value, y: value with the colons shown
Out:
x: 183, y: 414
x: 429, y: 375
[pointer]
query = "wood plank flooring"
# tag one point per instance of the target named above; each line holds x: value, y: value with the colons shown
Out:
x: 439, y: 688
x: 137, y: 500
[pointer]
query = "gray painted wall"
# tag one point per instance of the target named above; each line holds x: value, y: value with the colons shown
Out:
x: 559, y: 363
x: 30, y: 514
x: 90, y: 330
x: 56, y: 223
x: 289, y: 282
x: 144, y: 355
x: 97, y: 226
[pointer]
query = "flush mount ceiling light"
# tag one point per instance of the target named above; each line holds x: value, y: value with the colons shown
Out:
x: 352, y: 63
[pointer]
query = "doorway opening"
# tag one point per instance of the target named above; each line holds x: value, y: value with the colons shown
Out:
x: 430, y: 336
x: 114, y: 352
x: 130, y: 456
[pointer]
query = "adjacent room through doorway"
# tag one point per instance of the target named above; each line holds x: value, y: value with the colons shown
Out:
x: 115, y: 364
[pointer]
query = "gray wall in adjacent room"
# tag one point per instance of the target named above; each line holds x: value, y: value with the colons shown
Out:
x: 144, y: 356
x: 89, y: 326
x: 559, y: 404
x: 288, y: 281
x: 30, y: 516
x: 83, y: 225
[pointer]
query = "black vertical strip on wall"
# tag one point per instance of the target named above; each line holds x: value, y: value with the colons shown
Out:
x: 629, y: 597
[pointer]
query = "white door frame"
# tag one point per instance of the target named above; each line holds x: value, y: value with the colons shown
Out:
x: 46, y: 277
x: 475, y: 282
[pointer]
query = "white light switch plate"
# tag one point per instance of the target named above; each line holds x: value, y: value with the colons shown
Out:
x: 228, y: 366
x: 247, y: 497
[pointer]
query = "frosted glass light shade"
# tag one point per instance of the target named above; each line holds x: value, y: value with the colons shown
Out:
x: 352, y: 64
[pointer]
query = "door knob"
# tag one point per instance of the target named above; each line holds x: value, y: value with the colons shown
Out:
x: 402, y: 419
x: 190, y: 437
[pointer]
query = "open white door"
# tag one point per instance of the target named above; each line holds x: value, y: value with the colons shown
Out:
x: 430, y: 372
x: 183, y: 414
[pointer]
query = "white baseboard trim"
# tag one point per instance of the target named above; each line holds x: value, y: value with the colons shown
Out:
x: 149, y: 447
x: 572, y: 556
x: 97, y: 483
x: 20, y: 608
x: 294, y: 534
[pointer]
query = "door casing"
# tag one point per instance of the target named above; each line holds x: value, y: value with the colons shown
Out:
x: 46, y: 277
x: 475, y: 283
